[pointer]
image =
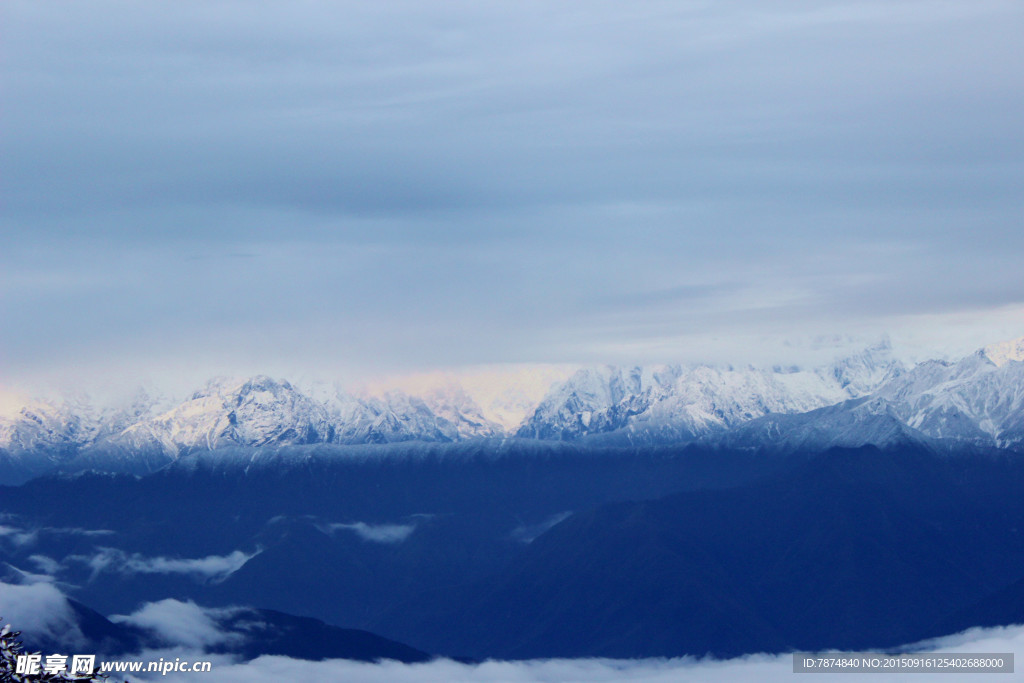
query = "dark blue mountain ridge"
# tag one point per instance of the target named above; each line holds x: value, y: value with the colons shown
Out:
x: 846, y: 550
x: 637, y: 551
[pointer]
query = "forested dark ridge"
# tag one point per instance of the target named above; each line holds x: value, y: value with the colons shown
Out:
x: 562, y: 551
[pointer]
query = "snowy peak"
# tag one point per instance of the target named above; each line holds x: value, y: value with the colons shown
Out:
x: 253, y: 412
x: 978, y: 400
x: 262, y: 411
x: 596, y: 399
x: 397, y: 416
x: 860, y: 373
x: 507, y: 395
x: 44, y: 425
x: 502, y: 396
x: 849, y: 424
x: 143, y: 405
x: 453, y: 404
x: 974, y: 402
x: 1005, y: 352
x: 684, y: 402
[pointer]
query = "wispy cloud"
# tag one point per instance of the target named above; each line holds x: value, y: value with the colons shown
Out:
x: 47, y: 565
x: 18, y: 537
x: 212, y: 567
x: 378, y: 533
x: 25, y: 537
x: 526, y: 533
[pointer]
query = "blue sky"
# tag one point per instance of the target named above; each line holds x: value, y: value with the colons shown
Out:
x: 351, y: 188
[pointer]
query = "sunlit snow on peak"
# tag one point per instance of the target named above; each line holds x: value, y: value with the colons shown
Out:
x: 1005, y: 352
x: 505, y: 394
x: 11, y: 403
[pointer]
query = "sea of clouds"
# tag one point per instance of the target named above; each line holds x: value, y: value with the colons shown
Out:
x: 752, y: 668
x: 188, y: 629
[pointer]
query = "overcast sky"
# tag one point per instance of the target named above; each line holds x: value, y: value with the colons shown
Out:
x: 352, y: 188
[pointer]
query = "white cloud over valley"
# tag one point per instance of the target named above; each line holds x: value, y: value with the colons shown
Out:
x: 211, y: 567
x: 749, y: 669
x: 183, y: 624
x: 39, y: 608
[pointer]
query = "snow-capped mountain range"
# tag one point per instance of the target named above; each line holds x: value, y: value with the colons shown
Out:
x: 868, y: 397
x: 674, y: 402
x: 976, y: 401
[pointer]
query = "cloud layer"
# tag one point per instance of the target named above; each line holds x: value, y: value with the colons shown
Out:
x: 348, y: 187
x: 179, y: 624
x: 750, y: 669
x: 188, y: 628
x: 40, y: 609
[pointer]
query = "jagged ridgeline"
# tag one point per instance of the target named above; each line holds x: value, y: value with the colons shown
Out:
x: 868, y: 397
